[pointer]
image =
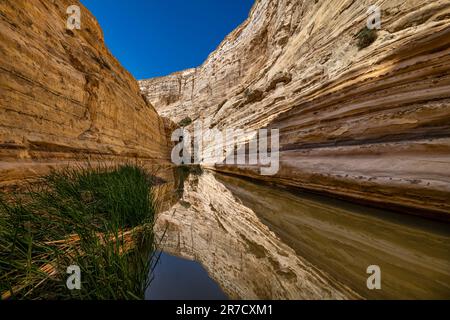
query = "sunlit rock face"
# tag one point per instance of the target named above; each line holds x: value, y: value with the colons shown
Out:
x: 371, y: 124
x: 249, y: 261
x: 63, y: 94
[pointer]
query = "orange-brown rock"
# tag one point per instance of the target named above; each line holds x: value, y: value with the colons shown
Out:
x: 63, y: 94
x: 371, y: 123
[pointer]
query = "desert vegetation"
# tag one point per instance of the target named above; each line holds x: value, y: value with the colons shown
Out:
x: 97, y: 218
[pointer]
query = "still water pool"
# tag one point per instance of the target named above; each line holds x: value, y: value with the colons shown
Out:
x: 176, y: 278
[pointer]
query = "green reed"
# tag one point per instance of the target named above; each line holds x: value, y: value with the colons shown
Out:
x: 98, y: 218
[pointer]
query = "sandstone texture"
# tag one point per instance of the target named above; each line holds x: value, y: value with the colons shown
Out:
x: 64, y: 96
x: 372, y: 123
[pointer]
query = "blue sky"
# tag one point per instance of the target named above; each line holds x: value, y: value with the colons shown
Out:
x: 157, y: 37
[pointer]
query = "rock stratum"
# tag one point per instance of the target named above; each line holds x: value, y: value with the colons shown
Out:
x: 371, y: 124
x: 63, y: 95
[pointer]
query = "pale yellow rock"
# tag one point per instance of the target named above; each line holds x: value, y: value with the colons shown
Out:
x: 372, y: 124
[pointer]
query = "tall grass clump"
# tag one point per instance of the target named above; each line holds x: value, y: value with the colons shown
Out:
x: 97, y: 218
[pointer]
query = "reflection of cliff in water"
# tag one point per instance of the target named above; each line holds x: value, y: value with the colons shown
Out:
x: 262, y: 242
x: 248, y: 261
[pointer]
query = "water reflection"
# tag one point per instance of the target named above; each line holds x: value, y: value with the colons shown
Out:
x: 261, y: 242
x: 176, y: 278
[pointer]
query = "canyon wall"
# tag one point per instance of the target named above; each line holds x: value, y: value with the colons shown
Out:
x: 369, y: 122
x: 63, y: 95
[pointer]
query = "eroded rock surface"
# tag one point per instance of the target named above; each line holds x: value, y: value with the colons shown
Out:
x: 372, y: 124
x: 63, y: 94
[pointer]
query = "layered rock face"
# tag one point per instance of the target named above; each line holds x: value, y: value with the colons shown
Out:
x: 370, y: 123
x: 63, y: 95
x: 247, y: 259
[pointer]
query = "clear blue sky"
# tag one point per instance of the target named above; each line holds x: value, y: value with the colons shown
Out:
x: 157, y: 37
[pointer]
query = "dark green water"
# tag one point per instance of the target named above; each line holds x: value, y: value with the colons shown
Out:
x: 218, y: 214
x: 176, y: 278
x: 343, y: 239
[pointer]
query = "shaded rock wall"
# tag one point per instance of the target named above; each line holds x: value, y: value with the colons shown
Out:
x: 372, y: 124
x: 63, y: 95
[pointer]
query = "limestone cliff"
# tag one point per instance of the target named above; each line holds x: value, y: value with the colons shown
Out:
x: 371, y: 123
x: 63, y: 94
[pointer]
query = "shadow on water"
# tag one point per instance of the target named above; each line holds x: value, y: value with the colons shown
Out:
x: 176, y: 278
x: 181, y: 173
x: 256, y: 241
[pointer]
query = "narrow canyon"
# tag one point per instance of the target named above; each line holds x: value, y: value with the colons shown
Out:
x: 368, y: 124
x: 364, y: 171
